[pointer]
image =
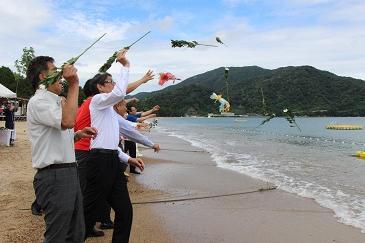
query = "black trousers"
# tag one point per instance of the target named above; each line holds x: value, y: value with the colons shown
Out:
x: 106, y: 185
x: 131, y: 149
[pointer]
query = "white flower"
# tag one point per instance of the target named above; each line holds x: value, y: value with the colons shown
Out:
x: 285, y: 110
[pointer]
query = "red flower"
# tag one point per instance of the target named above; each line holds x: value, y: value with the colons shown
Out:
x: 164, y: 77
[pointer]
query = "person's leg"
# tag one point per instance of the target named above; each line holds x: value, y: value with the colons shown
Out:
x: 81, y: 158
x: 98, y: 186
x: 133, y: 154
x: 107, y: 223
x: 121, y: 203
x: 76, y: 232
x: 36, y: 208
x: 56, y: 192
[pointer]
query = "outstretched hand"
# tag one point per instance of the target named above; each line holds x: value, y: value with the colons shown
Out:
x: 87, y: 132
x: 137, y: 162
x: 156, y: 148
x: 122, y: 58
x: 148, y: 76
x: 70, y: 74
x: 156, y: 108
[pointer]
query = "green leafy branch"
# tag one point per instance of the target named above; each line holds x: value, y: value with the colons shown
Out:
x: 111, y: 59
x: 289, y: 116
x: 189, y: 44
x: 270, y: 115
x: 57, y: 75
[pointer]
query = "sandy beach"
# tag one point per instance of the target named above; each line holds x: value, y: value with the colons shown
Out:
x: 181, y: 197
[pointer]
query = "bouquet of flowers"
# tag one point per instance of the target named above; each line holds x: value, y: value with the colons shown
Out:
x: 56, y: 75
x: 164, y: 77
x: 154, y: 123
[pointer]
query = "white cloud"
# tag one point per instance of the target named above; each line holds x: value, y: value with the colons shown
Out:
x: 336, y: 48
x: 348, y: 12
x: 84, y: 26
x: 17, y: 17
x: 166, y: 23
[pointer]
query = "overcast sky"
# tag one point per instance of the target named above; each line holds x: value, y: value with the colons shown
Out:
x: 327, y: 34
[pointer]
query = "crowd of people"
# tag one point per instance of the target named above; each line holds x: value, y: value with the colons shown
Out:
x: 78, y: 152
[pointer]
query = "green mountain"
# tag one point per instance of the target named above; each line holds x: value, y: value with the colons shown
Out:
x: 305, y: 90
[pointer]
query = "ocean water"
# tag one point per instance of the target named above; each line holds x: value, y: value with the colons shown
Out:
x: 314, y: 162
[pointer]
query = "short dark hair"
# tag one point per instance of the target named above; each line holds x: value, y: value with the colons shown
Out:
x: 88, y: 88
x: 98, y: 79
x: 35, y: 67
x: 129, y: 108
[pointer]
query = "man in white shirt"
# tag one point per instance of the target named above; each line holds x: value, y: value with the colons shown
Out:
x: 50, y: 120
x: 106, y: 184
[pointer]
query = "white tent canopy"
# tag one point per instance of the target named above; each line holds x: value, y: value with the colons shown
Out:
x: 6, y: 93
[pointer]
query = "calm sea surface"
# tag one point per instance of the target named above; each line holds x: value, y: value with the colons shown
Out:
x: 315, y: 163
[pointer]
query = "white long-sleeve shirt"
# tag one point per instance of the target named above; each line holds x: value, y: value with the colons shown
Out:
x: 123, y: 157
x: 128, y: 130
x: 103, y: 116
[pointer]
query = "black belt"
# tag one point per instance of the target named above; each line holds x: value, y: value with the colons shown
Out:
x: 59, y: 166
x: 104, y: 151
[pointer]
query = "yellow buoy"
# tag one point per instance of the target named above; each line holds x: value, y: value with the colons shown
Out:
x: 344, y: 127
x: 360, y: 154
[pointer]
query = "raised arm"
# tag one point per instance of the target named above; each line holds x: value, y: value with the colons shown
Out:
x: 143, y: 118
x: 149, y: 112
x: 130, y: 132
x: 131, y: 100
x: 69, y: 106
x: 105, y: 100
x: 147, y: 77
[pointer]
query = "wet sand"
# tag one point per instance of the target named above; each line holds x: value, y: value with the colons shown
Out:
x: 215, y: 215
x: 180, y: 197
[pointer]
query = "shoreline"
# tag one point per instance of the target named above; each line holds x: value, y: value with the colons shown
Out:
x: 218, y: 207
x: 280, y: 215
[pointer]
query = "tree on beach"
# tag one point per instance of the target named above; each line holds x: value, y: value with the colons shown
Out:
x: 21, y: 65
x: 7, y: 78
x: 22, y: 87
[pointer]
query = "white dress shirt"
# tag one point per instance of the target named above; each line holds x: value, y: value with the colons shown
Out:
x: 103, y: 116
x: 50, y: 143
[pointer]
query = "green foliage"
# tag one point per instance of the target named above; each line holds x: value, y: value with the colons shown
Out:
x: 304, y: 90
x: 7, y: 78
x: 25, y: 89
x: 111, y: 59
x: 16, y: 81
x: 21, y: 65
x: 189, y: 44
x: 179, y: 102
x: 108, y: 63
